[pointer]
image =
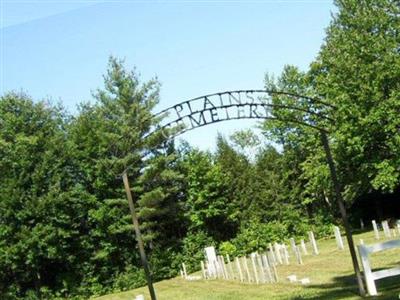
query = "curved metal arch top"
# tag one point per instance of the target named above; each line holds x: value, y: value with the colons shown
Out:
x: 242, y: 104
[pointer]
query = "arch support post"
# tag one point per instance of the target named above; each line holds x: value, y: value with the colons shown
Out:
x: 339, y: 199
x: 138, y: 236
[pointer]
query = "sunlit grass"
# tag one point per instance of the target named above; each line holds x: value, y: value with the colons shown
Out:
x: 331, y: 276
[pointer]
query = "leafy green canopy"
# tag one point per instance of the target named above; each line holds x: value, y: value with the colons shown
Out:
x: 357, y: 71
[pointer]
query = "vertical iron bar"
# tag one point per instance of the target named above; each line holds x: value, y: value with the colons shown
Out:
x: 342, y: 209
x: 138, y: 237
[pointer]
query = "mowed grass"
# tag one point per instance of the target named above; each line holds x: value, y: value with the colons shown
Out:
x: 331, y: 275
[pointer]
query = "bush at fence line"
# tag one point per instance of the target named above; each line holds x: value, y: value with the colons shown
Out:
x: 193, y: 249
x: 256, y: 236
x: 227, y: 248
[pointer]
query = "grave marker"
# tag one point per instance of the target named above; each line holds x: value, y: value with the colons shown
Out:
x: 298, y: 255
x: 231, y: 275
x: 184, y: 270
x: 303, y: 247
x: 313, y: 242
x: 223, y: 267
x: 272, y: 254
x: 338, y: 237
x: 386, y: 229
x: 267, y: 267
x: 239, y: 269
x: 278, y: 253
x: 203, y: 270
x: 376, y: 231
x: 398, y: 226
x: 252, y: 257
x: 260, y: 266
x: 212, y: 263
x: 293, y: 245
x: 285, y: 254
x: 246, y: 268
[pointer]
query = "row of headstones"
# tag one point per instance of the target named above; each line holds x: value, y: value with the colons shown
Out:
x: 262, y: 268
x: 258, y: 268
x: 387, y: 231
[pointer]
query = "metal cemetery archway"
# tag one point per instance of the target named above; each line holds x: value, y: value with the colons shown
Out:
x: 248, y: 104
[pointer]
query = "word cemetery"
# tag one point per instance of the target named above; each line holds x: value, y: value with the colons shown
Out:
x: 224, y: 106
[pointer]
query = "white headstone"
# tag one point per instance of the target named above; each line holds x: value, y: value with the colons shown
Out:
x: 272, y: 254
x: 338, y: 237
x: 184, y: 270
x: 230, y: 268
x: 293, y: 245
x: 298, y: 255
x: 285, y: 254
x: 376, y: 231
x: 223, y: 268
x: 246, y: 268
x: 212, y: 262
x: 253, y: 263
x: 239, y: 268
x: 303, y: 247
x: 398, y: 226
x: 261, y: 268
x: 386, y: 229
x: 267, y: 267
x: 278, y: 256
x: 313, y: 242
x: 203, y: 270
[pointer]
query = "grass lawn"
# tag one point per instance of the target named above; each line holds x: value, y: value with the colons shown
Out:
x: 330, y: 272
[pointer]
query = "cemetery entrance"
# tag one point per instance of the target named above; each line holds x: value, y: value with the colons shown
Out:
x: 294, y: 110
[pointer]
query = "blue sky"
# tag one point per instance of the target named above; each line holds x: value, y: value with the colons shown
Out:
x: 59, y: 49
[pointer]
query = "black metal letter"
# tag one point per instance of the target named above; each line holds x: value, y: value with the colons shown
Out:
x: 178, y: 111
x: 198, y: 122
x: 207, y: 102
x: 214, y: 113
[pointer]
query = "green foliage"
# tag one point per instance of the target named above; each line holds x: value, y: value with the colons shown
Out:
x: 358, y: 70
x: 193, y: 249
x: 227, y: 248
x: 131, y: 278
x: 256, y: 236
x: 65, y: 228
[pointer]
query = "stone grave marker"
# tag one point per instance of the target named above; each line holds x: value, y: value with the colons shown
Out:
x: 231, y: 274
x: 253, y: 263
x: 303, y: 247
x: 239, y: 269
x: 267, y: 267
x: 184, y: 270
x: 313, y: 242
x: 386, y: 229
x: 376, y: 231
x: 203, y: 270
x: 212, y: 263
x: 338, y: 237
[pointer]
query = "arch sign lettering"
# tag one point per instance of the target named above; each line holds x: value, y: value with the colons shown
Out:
x: 248, y: 104
x: 241, y: 104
